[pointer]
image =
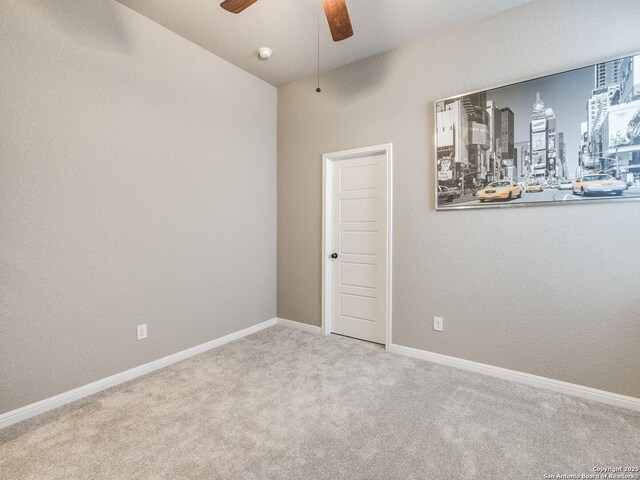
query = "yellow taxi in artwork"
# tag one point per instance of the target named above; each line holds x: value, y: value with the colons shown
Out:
x: 534, y: 187
x: 501, y: 190
x: 598, y: 184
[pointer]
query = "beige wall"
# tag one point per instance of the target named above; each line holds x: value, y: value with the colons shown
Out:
x: 137, y: 184
x: 552, y: 291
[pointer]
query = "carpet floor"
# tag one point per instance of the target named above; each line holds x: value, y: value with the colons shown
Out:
x: 287, y: 404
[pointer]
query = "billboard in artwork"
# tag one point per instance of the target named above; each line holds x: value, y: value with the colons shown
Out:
x: 538, y: 141
x: 624, y: 128
x: 539, y: 125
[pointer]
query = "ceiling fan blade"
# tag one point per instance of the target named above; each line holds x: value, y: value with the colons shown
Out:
x: 338, y: 18
x: 236, y: 6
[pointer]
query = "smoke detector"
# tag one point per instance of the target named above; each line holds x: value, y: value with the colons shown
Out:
x: 264, y: 54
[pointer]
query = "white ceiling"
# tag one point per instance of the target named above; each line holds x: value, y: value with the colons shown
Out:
x: 289, y: 28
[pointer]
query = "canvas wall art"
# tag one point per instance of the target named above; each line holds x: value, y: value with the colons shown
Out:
x: 572, y: 137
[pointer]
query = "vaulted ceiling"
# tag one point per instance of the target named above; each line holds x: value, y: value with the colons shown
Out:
x: 290, y: 29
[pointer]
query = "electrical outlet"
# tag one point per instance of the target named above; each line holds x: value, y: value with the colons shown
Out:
x: 438, y: 324
x: 142, y: 331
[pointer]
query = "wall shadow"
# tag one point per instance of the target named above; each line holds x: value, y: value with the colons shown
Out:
x: 350, y: 82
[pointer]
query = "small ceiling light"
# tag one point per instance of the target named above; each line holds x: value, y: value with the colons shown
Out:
x: 264, y: 54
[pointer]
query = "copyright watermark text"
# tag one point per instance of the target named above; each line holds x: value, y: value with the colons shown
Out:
x: 599, y: 473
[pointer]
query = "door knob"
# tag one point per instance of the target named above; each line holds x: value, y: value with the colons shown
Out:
x: 334, y: 255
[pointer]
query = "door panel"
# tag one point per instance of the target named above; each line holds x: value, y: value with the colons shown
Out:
x: 359, y: 210
x: 358, y: 219
x: 358, y: 307
x: 359, y: 177
x: 358, y: 243
x: 358, y: 275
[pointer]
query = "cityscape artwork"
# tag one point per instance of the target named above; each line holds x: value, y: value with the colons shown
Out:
x: 570, y: 137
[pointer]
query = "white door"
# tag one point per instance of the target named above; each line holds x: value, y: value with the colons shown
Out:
x: 357, y: 247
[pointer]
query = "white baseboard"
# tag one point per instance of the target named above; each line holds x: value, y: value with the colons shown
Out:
x: 300, y: 326
x: 28, y: 411
x: 581, y: 391
x: 589, y: 393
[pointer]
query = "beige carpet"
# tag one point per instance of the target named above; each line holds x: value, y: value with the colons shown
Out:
x: 286, y: 404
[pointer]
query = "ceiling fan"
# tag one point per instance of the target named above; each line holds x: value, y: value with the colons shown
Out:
x: 336, y: 11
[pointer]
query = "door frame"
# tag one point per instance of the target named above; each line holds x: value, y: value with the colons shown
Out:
x: 327, y: 159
